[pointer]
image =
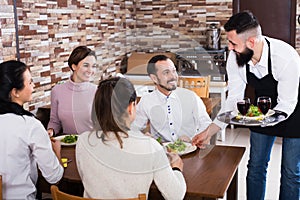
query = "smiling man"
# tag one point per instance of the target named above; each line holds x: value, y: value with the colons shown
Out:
x: 173, y: 112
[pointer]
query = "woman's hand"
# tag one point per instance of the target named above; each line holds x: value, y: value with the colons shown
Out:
x: 50, y: 132
x: 56, y: 146
x: 175, y: 160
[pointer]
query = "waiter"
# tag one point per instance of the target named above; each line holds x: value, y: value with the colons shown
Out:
x: 272, y: 68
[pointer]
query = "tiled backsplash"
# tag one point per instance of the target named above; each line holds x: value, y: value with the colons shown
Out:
x: 49, y: 30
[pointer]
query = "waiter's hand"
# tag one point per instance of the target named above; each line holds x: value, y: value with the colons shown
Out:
x: 279, y: 116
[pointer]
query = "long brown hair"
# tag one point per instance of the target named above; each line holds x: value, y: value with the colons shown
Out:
x: 111, y: 101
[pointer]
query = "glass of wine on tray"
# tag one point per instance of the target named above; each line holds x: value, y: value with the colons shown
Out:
x: 264, y: 104
x: 243, y: 107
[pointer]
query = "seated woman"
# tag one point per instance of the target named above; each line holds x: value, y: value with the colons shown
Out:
x: 116, y: 162
x: 25, y: 144
x: 71, y: 102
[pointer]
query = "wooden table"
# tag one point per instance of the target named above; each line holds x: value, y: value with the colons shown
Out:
x: 208, y: 177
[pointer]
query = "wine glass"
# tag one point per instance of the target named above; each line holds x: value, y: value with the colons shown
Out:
x: 264, y: 104
x: 243, y: 107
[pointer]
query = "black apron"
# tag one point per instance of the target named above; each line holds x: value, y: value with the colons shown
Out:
x: 267, y: 86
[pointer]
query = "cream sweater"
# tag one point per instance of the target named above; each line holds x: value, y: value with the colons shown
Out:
x: 107, y: 171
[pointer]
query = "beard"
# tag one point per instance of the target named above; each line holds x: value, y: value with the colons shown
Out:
x: 244, y: 57
x: 165, y: 87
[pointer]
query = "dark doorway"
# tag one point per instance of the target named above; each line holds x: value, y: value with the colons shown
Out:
x: 277, y: 17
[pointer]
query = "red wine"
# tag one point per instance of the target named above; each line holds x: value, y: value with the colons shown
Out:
x: 243, y: 107
x: 264, y: 106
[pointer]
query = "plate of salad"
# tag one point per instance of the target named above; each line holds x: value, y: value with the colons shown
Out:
x: 179, y: 147
x: 253, y: 114
x: 67, y: 140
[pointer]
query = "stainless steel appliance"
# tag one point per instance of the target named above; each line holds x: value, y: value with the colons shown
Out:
x: 213, y: 37
x: 195, y: 62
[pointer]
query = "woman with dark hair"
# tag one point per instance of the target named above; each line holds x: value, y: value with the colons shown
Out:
x: 71, y: 102
x: 116, y: 162
x: 24, y: 143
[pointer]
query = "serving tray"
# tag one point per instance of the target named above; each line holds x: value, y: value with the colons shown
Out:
x: 229, y: 118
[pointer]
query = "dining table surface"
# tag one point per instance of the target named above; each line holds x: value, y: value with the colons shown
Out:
x: 209, y: 173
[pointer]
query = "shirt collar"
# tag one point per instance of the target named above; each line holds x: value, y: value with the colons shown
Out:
x: 163, y: 97
x: 264, y: 57
x: 263, y: 62
x: 261, y: 68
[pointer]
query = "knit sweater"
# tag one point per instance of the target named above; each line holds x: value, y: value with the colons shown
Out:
x: 109, y: 172
x: 71, y: 107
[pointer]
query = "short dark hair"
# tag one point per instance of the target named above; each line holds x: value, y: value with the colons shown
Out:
x: 151, y: 63
x: 241, y: 22
x: 111, y: 101
x: 78, y: 54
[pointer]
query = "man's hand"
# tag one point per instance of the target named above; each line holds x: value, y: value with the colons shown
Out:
x: 203, y: 138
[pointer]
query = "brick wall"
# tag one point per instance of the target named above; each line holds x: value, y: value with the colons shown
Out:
x: 49, y: 30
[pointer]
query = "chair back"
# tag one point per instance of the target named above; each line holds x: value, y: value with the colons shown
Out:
x: 198, y: 84
x: 1, y: 197
x: 59, y: 195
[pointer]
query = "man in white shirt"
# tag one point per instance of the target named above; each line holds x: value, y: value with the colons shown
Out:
x: 174, y: 113
x: 272, y: 68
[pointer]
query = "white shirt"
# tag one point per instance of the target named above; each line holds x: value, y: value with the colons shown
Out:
x: 25, y: 144
x: 109, y: 172
x: 180, y: 113
x: 285, y: 63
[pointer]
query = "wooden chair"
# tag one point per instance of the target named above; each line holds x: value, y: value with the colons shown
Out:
x: 59, y: 195
x: 198, y: 84
x: 1, y: 197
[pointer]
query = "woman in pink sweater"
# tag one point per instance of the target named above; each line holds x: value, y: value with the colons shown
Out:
x: 71, y: 102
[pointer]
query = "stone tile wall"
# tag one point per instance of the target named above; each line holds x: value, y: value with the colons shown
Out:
x: 49, y: 30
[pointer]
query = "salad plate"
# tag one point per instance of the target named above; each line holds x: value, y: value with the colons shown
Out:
x: 181, y: 148
x: 67, y: 140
